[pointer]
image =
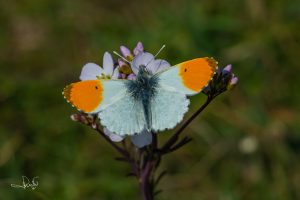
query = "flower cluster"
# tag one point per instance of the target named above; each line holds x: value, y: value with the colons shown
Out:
x: 223, y: 80
x: 125, y: 70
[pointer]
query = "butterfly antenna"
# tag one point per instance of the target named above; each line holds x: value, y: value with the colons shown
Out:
x: 116, y: 53
x: 163, y: 46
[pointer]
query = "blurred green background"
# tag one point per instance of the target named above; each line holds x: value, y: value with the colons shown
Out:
x: 246, y: 144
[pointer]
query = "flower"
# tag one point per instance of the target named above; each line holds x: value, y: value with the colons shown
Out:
x: 92, y: 71
x: 152, y: 65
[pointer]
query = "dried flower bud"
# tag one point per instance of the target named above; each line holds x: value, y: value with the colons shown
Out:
x: 80, y: 118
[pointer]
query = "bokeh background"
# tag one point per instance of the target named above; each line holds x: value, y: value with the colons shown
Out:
x: 246, y: 144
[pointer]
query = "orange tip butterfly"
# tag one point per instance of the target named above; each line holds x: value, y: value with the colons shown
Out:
x: 152, y: 102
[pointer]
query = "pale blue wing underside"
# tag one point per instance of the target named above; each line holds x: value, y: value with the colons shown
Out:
x: 168, y: 108
x: 124, y: 116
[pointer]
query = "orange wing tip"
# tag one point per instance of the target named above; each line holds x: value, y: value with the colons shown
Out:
x: 197, y: 73
x: 86, y: 96
x: 212, y: 63
x: 67, y: 93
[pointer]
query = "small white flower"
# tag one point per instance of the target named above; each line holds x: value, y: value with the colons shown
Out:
x: 92, y: 71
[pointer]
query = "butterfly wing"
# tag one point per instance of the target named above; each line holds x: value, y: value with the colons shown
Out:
x: 124, y: 116
x: 92, y: 96
x: 168, y: 108
x: 189, y: 77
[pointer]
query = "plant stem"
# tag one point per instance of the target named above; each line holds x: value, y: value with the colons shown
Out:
x: 149, y: 158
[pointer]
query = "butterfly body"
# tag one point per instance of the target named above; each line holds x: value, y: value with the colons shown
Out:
x: 151, y: 101
x: 143, y: 89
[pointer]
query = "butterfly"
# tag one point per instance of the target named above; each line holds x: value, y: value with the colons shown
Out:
x: 152, y: 102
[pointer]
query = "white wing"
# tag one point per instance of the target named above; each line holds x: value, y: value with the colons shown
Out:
x: 112, y: 91
x: 168, y: 108
x: 189, y: 77
x: 124, y: 116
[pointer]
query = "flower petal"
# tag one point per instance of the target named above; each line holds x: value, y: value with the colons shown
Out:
x: 116, y: 73
x: 157, y: 66
x: 142, y: 139
x: 228, y: 68
x: 108, y: 64
x: 234, y: 80
x: 141, y: 59
x: 113, y: 137
x: 138, y: 49
x: 131, y: 77
x: 125, y: 51
x: 90, y: 71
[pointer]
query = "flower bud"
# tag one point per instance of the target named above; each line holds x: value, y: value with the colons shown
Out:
x: 228, y: 68
x: 232, y: 83
x: 138, y: 49
x: 80, y: 118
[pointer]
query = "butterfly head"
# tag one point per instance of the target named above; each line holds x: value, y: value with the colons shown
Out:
x: 143, y: 71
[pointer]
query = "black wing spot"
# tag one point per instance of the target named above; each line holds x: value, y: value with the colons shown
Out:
x: 185, y: 70
x: 96, y: 87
